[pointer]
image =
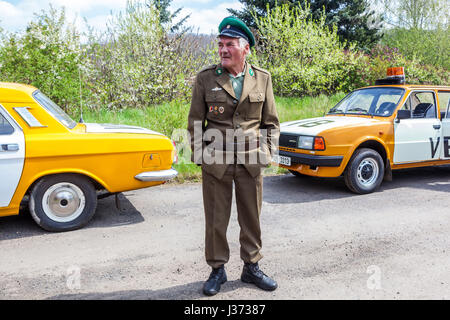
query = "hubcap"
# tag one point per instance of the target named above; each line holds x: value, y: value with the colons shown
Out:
x: 368, y: 171
x: 63, y: 202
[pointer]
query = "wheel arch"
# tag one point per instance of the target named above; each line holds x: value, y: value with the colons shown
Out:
x: 97, y: 182
x: 377, y: 146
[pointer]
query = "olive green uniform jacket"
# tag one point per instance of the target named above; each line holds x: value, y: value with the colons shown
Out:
x: 214, y: 106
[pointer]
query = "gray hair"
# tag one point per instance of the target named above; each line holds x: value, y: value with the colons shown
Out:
x: 243, y: 43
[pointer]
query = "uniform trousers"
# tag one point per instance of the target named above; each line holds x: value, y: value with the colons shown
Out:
x: 217, y: 201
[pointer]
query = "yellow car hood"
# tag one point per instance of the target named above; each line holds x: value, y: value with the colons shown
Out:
x: 116, y: 128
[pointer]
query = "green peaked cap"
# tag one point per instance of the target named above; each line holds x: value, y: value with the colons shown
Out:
x: 235, y: 27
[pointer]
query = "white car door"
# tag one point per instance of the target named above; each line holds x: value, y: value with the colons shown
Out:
x: 12, y: 155
x: 444, y: 103
x: 419, y: 137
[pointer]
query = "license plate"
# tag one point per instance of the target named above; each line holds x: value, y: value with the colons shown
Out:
x: 282, y: 160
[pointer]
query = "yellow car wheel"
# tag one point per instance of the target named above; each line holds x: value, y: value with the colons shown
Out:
x: 63, y: 202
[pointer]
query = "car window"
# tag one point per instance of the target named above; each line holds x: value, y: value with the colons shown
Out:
x: 371, y: 101
x: 422, y: 104
x: 444, y: 97
x: 54, y: 109
x: 5, y: 126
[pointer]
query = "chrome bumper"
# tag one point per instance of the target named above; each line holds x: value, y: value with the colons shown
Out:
x: 162, y: 175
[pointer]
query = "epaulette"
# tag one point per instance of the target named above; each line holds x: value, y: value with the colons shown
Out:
x: 213, y: 66
x: 260, y: 69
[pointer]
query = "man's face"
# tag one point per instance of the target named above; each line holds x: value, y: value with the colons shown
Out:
x: 232, y: 56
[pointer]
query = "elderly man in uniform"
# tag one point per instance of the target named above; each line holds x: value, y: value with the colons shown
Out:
x: 234, y: 128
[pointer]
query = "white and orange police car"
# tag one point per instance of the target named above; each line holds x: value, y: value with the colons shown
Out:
x: 370, y: 132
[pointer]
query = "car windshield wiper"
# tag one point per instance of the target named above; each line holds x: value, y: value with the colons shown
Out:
x: 334, y: 111
x: 359, y: 109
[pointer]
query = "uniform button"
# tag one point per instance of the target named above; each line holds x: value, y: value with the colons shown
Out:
x: 235, y: 101
x: 238, y: 126
x: 236, y: 114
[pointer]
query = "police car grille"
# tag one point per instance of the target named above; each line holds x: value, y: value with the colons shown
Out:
x: 287, y: 140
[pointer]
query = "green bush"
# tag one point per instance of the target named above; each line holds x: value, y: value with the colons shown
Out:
x: 47, y: 55
x: 430, y: 47
x: 304, y: 56
x: 138, y: 63
x: 374, y: 66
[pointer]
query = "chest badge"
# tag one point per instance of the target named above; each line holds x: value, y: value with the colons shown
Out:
x: 215, y: 110
x: 250, y: 72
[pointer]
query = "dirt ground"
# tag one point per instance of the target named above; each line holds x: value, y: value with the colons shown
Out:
x: 319, y: 242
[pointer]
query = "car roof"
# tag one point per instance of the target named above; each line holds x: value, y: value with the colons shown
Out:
x: 17, y: 86
x: 16, y: 92
x: 410, y: 86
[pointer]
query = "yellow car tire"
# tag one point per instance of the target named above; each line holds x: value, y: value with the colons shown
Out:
x: 63, y: 202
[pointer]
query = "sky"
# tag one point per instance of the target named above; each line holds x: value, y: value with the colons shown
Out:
x: 206, y: 15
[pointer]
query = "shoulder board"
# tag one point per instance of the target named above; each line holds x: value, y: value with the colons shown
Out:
x: 213, y: 66
x: 260, y: 69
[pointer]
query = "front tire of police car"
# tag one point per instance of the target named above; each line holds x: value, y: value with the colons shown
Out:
x: 63, y: 202
x: 365, y: 171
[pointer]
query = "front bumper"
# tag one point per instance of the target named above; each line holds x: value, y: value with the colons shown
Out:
x: 313, y: 160
x: 161, y: 175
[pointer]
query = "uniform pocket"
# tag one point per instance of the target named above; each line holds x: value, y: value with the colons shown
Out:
x: 256, y: 100
x: 216, y: 103
x: 216, y: 97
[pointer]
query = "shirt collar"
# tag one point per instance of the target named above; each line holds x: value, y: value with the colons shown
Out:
x: 240, y: 74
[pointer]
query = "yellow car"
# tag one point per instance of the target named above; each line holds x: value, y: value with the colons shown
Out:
x: 62, y: 166
x: 370, y: 132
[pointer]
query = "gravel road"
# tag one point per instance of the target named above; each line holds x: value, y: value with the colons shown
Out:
x: 319, y: 242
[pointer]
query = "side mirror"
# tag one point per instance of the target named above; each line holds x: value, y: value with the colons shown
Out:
x: 402, y: 114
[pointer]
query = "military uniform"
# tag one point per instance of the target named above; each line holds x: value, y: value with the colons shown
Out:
x: 215, y: 106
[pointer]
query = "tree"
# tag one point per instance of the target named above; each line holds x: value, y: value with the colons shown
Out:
x: 418, y: 28
x: 139, y: 62
x: 415, y: 14
x: 166, y: 17
x: 303, y: 55
x: 47, y: 55
x: 354, y: 19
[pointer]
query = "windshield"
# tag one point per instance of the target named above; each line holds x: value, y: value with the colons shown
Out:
x: 370, y: 101
x: 54, y: 109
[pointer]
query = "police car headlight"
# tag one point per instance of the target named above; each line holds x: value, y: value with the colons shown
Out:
x: 305, y: 142
x: 311, y: 143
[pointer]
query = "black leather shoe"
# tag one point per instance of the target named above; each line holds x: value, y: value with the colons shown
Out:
x: 252, y: 274
x: 215, y: 280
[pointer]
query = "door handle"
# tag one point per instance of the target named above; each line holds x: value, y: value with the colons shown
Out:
x: 436, y: 126
x: 9, y: 147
